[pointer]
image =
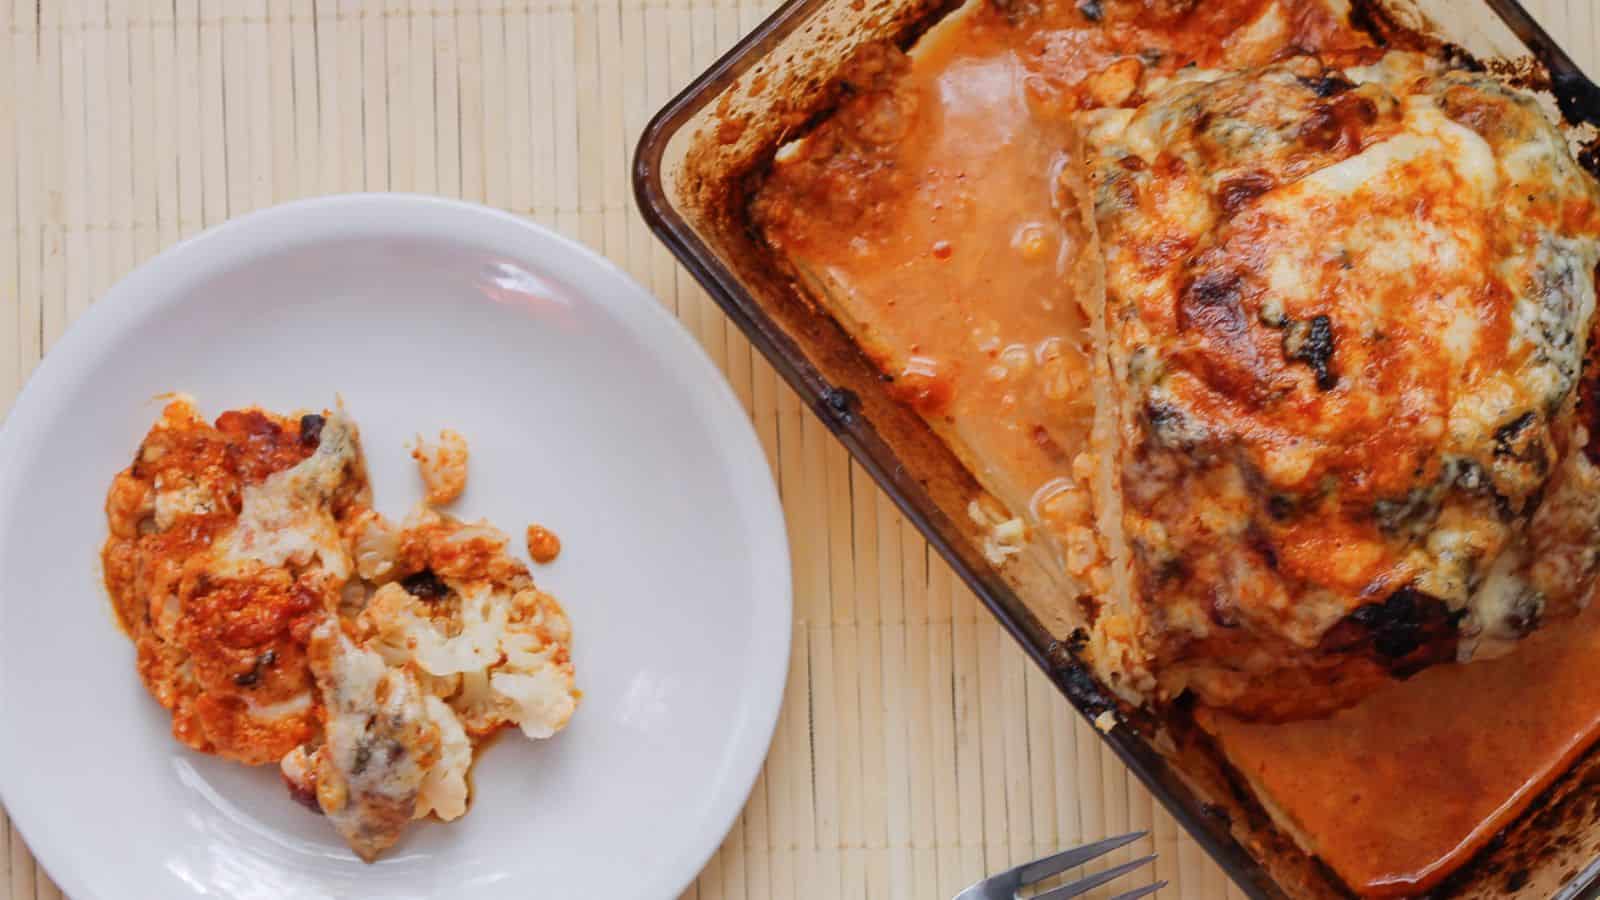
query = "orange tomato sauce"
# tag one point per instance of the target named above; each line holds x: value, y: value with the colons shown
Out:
x: 1396, y: 792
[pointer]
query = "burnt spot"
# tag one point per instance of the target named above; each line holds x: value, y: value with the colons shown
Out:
x: 1522, y: 453
x: 1336, y: 127
x: 363, y: 758
x: 1412, y: 514
x: 1237, y: 192
x: 1510, y: 439
x: 1077, y: 640
x: 1416, y: 511
x: 1092, y: 10
x: 1216, y: 812
x: 1523, y: 616
x: 1280, y: 507
x: 262, y: 663
x: 1588, y: 389
x: 425, y: 585
x: 1083, y: 690
x: 1468, y: 475
x: 1089, y: 606
x: 311, y: 430
x: 1225, y: 354
x: 1589, y: 157
x: 1516, y: 881
x: 1260, y: 543
x: 839, y: 406
x: 1311, y: 342
x: 1212, y: 303
x: 1171, y: 570
x: 1168, y: 426
x: 1406, y: 632
x: 1329, y: 84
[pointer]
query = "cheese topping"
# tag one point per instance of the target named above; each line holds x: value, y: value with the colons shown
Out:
x: 1348, y: 312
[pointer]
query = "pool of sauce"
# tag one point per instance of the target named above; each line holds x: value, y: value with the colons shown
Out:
x: 1398, y: 791
x: 957, y: 286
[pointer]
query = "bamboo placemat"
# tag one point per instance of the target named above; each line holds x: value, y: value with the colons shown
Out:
x: 918, y: 749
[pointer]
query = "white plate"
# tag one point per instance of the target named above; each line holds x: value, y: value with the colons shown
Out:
x: 588, y: 409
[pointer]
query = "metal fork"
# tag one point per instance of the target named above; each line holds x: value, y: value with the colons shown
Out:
x: 1007, y: 884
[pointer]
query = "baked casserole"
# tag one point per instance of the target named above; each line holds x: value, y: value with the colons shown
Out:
x: 1266, y: 333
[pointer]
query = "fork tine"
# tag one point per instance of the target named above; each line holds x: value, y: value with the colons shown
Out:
x: 1040, y: 869
x: 1145, y: 891
x: 1085, y: 885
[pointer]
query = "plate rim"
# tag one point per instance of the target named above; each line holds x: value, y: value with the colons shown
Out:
x: 365, y: 214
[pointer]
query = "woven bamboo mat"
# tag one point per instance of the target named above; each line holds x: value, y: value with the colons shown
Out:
x: 918, y: 749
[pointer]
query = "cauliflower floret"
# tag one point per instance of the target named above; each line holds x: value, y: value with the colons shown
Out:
x: 375, y: 545
x: 444, y: 787
x: 442, y: 643
x: 443, y: 466
x: 541, y: 702
x: 497, y: 653
x: 533, y: 687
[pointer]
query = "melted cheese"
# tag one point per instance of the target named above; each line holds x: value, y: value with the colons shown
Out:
x: 1343, y: 324
x: 286, y: 518
x: 443, y: 792
x: 378, y: 743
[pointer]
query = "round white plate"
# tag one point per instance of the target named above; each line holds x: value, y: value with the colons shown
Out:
x: 588, y: 409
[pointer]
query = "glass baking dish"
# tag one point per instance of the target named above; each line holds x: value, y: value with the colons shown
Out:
x: 693, y: 170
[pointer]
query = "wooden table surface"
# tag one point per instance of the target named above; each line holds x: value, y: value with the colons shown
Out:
x: 918, y: 749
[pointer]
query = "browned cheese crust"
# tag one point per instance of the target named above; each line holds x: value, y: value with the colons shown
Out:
x: 221, y: 637
x: 1348, y: 303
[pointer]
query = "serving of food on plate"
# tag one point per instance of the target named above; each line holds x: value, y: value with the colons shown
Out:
x: 309, y: 656
x: 1262, y: 336
x: 283, y: 621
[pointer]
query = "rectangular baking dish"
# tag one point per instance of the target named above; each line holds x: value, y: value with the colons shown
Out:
x: 694, y: 168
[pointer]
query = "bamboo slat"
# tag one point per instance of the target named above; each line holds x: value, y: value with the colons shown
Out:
x: 917, y: 748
